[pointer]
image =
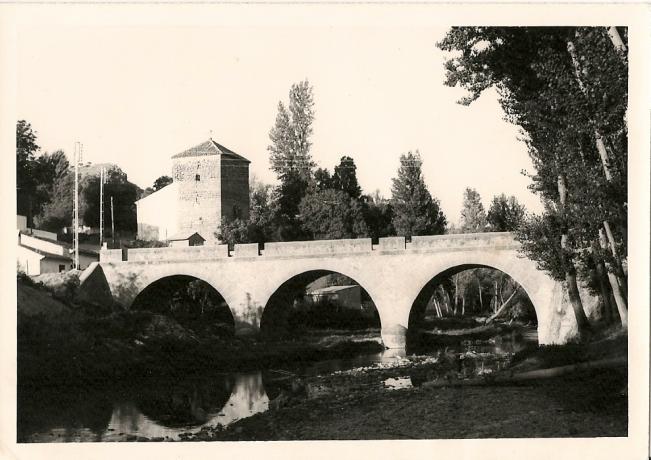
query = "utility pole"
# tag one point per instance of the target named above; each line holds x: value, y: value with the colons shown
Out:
x: 102, y: 178
x: 112, y: 222
x: 79, y: 148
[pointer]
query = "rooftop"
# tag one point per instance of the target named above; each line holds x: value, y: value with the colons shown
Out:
x: 333, y: 289
x: 49, y: 255
x: 207, y: 148
x: 184, y: 236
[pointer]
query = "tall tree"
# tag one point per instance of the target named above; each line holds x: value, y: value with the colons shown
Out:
x: 378, y: 215
x: 289, y: 154
x: 473, y: 216
x: 47, y: 170
x: 415, y: 212
x: 26, y: 148
x: 124, y: 195
x: 322, y: 179
x: 345, y: 178
x: 564, y: 110
x: 57, y: 212
x: 332, y: 214
x: 505, y: 214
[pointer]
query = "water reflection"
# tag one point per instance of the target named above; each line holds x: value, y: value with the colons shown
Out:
x: 167, y: 409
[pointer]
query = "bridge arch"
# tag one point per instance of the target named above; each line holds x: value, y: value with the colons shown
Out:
x: 191, y: 300
x: 292, y: 287
x: 427, y: 291
x: 538, y: 286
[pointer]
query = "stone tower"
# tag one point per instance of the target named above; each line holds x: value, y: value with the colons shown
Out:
x: 213, y: 182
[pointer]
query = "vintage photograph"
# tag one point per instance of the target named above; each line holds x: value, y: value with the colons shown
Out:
x: 348, y: 232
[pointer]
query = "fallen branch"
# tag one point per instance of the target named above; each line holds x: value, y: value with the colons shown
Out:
x: 503, y: 308
x: 537, y: 374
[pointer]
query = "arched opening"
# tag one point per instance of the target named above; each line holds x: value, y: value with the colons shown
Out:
x: 189, y: 301
x: 320, y: 302
x: 472, y: 304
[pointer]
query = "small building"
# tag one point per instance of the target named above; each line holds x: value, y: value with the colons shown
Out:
x: 37, y: 255
x: 186, y: 239
x: 35, y: 261
x: 345, y: 296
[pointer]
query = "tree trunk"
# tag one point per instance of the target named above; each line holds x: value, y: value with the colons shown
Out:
x: 503, y: 308
x: 575, y: 300
x: 605, y: 292
x: 618, y: 43
x: 570, y: 271
x: 620, y: 301
x: 448, y: 301
x: 437, y: 307
x: 463, y: 305
x: 481, y: 302
x: 601, y: 148
x: 495, y: 297
x: 456, y: 293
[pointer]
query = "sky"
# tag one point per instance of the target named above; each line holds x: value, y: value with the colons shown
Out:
x: 137, y: 95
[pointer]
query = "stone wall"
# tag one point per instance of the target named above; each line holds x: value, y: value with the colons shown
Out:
x: 463, y: 240
x: 293, y: 248
x: 178, y: 253
x: 199, y: 194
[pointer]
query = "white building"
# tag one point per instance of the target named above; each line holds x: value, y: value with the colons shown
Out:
x: 157, y: 214
x: 36, y: 255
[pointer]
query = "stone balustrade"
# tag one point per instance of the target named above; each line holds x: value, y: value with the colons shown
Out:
x: 462, y: 240
x: 321, y: 247
x: 502, y: 240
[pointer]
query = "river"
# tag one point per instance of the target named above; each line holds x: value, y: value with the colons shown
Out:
x: 163, y: 410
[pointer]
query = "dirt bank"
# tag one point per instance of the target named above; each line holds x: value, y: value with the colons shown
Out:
x: 62, y: 342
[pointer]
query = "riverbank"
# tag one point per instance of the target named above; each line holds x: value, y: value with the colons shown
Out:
x: 553, y: 408
x: 61, y: 342
x: 396, y: 402
x: 100, y: 376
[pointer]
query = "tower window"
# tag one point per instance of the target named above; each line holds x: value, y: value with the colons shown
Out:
x: 197, y: 177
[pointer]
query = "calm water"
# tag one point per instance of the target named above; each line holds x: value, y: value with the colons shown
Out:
x: 167, y: 409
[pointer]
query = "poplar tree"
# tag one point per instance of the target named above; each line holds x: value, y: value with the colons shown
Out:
x: 473, y: 216
x: 566, y: 88
x: 345, y: 178
x: 289, y: 155
x: 505, y: 214
x: 415, y: 212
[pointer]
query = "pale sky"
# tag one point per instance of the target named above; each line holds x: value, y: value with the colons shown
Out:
x: 135, y: 96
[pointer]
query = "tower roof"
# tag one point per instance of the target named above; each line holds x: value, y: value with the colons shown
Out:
x: 207, y: 148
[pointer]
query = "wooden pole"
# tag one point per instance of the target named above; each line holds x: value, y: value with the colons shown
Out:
x: 101, y: 207
x: 112, y: 222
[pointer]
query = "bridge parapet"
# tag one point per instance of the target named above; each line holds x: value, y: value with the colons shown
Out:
x: 391, y: 243
x: 110, y: 255
x: 218, y: 251
x: 463, y: 240
x: 322, y: 247
x: 246, y: 250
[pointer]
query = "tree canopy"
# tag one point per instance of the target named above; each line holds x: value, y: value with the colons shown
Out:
x: 415, y: 212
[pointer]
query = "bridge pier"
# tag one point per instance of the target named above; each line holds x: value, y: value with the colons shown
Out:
x: 394, y: 336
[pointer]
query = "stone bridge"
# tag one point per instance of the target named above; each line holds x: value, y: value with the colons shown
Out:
x: 393, y: 272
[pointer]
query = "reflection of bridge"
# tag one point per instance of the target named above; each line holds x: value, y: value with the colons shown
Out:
x: 393, y: 273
